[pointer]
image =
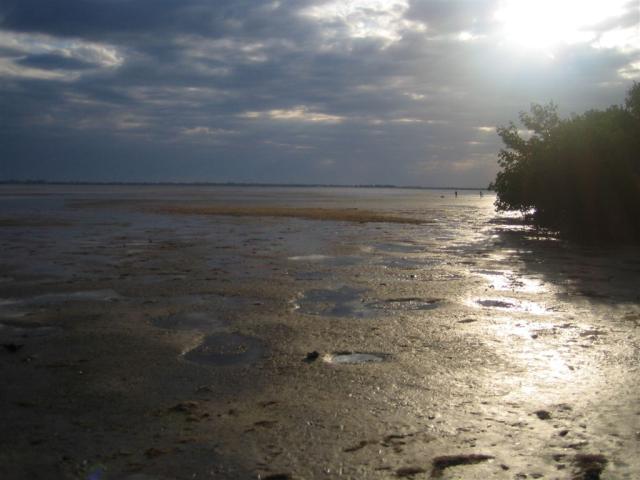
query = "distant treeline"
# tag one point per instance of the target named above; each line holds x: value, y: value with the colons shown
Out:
x: 234, y: 184
x: 578, y: 176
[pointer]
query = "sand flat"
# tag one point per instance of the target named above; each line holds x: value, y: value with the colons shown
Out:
x: 326, y: 214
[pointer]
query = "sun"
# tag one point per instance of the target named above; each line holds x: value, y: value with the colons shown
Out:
x: 545, y: 24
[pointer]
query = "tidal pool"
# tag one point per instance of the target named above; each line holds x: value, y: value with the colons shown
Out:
x: 340, y: 302
x: 202, y: 321
x: 348, y: 358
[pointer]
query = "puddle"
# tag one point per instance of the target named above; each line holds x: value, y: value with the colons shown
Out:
x: 10, y: 309
x: 12, y: 314
x: 187, y: 300
x: 249, y: 266
x: 224, y: 262
x: 350, y: 302
x: 8, y: 306
x: 309, y: 258
x: 407, y: 263
x: 332, y: 261
x: 399, y: 247
x: 226, y: 349
x: 82, y: 296
x: 11, y: 331
x: 495, y: 304
x: 309, y: 275
x: 511, y: 304
x: 158, y: 278
x: 48, y: 270
x: 509, y: 280
x: 408, y: 304
x: 207, y: 300
x: 7, y: 302
x: 350, y: 358
x: 443, y: 276
x: 342, y: 302
x: 202, y: 321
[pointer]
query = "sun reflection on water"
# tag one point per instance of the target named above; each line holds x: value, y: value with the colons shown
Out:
x: 550, y: 368
x: 508, y: 280
x: 509, y: 304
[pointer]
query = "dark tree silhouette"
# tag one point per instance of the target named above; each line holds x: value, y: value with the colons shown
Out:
x: 578, y: 176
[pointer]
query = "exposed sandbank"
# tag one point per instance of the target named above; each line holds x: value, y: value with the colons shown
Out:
x: 330, y: 214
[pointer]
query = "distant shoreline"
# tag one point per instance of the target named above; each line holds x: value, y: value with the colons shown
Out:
x: 236, y: 184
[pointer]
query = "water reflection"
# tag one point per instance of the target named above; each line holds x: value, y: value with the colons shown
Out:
x: 510, y: 304
x: 509, y: 280
x: 553, y: 365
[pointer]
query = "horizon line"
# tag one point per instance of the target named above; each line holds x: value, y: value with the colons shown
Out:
x: 235, y: 184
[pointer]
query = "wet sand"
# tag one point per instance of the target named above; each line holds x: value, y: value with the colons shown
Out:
x: 324, y: 214
x: 142, y: 340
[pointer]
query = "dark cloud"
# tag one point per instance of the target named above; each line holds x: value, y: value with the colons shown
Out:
x: 54, y: 62
x: 105, y: 19
x: 276, y: 91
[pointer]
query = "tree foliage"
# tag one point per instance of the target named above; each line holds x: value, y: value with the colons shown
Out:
x: 579, y: 176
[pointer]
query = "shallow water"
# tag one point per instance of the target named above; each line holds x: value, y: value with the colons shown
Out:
x: 344, y: 302
x: 407, y: 304
x: 201, y: 321
x: 20, y: 331
x: 354, y: 358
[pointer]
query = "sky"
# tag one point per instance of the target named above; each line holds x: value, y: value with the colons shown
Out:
x: 295, y: 91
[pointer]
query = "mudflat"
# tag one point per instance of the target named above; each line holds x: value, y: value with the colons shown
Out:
x: 327, y: 214
x: 307, y: 333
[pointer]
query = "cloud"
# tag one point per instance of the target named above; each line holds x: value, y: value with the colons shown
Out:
x: 48, y: 61
x: 46, y: 57
x: 206, y: 131
x: 290, y: 90
x: 299, y: 113
x: 378, y: 19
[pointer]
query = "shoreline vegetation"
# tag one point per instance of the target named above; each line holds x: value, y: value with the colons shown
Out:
x: 578, y: 177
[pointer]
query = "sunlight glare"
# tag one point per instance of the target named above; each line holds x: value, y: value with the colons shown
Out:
x: 543, y: 24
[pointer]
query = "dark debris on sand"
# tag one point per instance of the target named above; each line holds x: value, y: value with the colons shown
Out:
x: 589, y: 466
x: 312, y: 356
x: 440, y: 464
x: 542, y: 414
x: 409, y: 471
